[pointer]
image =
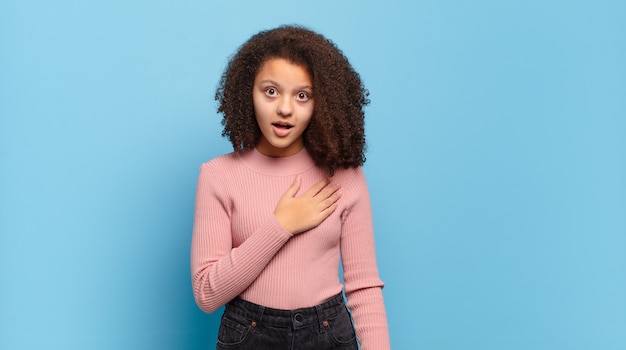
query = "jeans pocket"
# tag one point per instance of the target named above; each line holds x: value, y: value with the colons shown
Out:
x: 233, y: 331
x: 341, y: 328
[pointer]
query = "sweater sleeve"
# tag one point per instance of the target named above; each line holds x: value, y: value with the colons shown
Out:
x: 219, y: 271
x: 362, y: 283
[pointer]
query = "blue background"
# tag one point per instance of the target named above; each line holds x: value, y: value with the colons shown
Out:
x: 496, y: 165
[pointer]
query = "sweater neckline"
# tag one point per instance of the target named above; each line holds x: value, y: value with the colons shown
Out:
x: 280, y: 166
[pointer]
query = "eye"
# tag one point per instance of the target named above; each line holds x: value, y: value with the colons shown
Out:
x: 271, y: 92
x: 302, y: 96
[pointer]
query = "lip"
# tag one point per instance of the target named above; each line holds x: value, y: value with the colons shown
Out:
x: 283, y: 124
x: 282, y: 129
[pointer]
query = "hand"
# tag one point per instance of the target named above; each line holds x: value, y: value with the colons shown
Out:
x: 298, y: 214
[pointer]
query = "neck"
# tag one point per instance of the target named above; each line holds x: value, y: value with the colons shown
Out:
x: 286, y: 165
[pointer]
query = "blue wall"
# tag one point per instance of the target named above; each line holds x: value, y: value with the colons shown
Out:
x: 497, y: 166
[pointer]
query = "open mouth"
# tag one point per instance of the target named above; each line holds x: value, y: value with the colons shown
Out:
x: 282, y: 126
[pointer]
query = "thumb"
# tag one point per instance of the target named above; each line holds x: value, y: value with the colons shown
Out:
x: 293, y: 188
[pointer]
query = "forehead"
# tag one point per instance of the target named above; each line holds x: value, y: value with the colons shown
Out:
x: 283, y: 69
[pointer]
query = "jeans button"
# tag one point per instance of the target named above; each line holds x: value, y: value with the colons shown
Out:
x: 298, y: 317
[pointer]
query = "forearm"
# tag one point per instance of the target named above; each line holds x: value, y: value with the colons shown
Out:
x: 370, y: 319
x: 221, y: 273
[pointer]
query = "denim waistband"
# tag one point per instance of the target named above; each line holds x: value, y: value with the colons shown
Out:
x: 297, y: 318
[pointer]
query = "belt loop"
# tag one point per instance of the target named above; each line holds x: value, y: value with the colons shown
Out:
x: 320, y: 318
x: 259, y: 315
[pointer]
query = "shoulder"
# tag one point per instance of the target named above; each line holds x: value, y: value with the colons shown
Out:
x: 222, y: 163
x: 215, y: 176
x: 348, y: 175
x: 351, y: 179
x: 219, y: 170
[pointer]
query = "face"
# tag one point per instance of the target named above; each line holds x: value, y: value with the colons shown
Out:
x: 283, y: 105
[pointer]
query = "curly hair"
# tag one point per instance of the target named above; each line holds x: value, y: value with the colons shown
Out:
x: 335, y: 136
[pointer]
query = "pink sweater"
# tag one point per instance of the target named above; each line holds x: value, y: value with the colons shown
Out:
x: 239, y: 249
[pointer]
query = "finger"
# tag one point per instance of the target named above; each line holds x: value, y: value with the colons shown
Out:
x: 330, y: 201
x: 328, y: 191
x: 326, y: 212
x: 317, y: 187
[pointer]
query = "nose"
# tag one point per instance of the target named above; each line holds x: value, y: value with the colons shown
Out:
x: 285, y: 107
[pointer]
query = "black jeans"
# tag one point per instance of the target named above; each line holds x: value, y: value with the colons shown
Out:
x: 250, y: 326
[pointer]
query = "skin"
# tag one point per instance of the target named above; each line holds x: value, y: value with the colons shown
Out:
x: 283, y: 105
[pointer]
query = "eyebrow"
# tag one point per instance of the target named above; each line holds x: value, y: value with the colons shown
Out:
x: 265, y: 81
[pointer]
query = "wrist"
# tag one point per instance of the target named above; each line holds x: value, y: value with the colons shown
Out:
x: 284, y: 225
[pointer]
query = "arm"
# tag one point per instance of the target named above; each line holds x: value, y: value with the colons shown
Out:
x: 219, y: 271
x: 362, y: 283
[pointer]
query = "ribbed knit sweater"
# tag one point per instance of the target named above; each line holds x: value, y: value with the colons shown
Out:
x: 239, y: 249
